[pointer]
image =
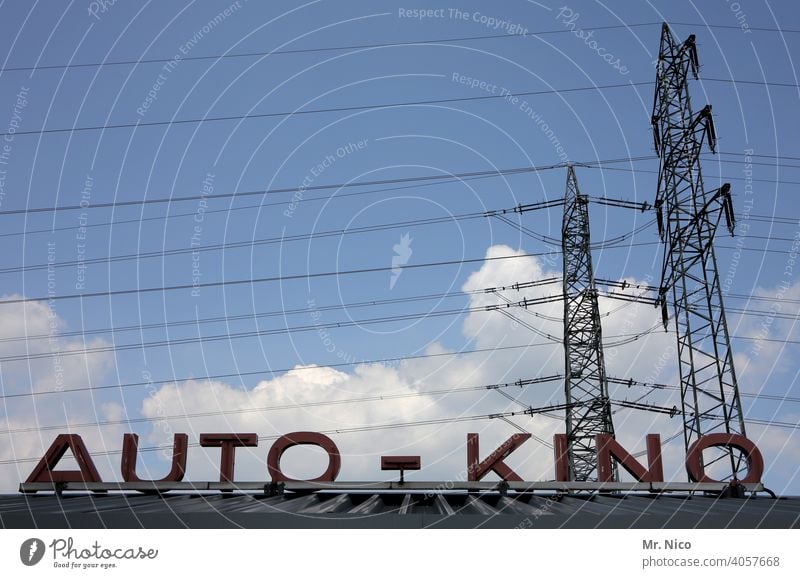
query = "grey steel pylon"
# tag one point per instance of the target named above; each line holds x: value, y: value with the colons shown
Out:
x: 688, y: 219
x: 586, y: 387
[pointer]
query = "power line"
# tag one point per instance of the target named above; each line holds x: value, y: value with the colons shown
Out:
x: 675, y: 411
x: 365, y: 270
x: 252, y: 242
x: 284, y: 52
x: 275, y: 331
x: 720, y: 177
x: 714, y: 158
x: 770, y: 238
x: 528, y: 326
x: 769, y: 340
x: 242, y: 317
x: 279, y: 278
x: 237, y: 194
x: 239, y: 374
x: 774, y: 220
x: 353, y: 108
x: 498, y: 213
x: 275, y: 191
x: 272, y: 53
x: 364, y: 399
x: 334, y: 324
x: 444, y: 178
x: 229, y: 209
x: 752, y: 163
x: 754, y: 82
x: 437, y: 179
x: 758, y: 155
x: 743, y: 297
x: 279, y: 312
x: 273, y: 240
x: 670, y: 411
x: 621, y: 340
x: 733, y: 27
x: 737, y: 296
x: 756, y: 249
x: 602, y: 200
x: 606, y: 243
x: 644, y: 206
x: 642, y: 286
x: 773, y: 423
x: 758, y: 312
x: 657, y: 386
x: 225, y: 412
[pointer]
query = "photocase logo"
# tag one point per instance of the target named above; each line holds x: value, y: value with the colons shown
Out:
x: 402, y: 253
x: 31, y: 552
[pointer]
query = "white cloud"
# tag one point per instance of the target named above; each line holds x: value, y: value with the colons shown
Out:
x: 43, y: 375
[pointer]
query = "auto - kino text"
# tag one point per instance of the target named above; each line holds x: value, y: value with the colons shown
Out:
x: 607, y: 448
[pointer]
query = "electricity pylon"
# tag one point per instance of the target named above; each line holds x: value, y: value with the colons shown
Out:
x: 585, y: 384
x: 688, y: 220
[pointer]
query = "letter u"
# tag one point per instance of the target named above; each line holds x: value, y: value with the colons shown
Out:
x: 130, y: 448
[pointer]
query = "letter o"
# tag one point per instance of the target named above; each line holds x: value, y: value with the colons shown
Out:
x: 300, y: 438
x: 694, y: 464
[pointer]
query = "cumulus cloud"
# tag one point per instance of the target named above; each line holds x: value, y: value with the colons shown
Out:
x: 767, y: 354
x: 25, y: 414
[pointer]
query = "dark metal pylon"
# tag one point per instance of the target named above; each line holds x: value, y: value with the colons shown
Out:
x: 585, y: 384
x: 688, y: 219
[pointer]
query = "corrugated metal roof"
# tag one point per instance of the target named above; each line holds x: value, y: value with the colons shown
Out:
x: 395, y: 510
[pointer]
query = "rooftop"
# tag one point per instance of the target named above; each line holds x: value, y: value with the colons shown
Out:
x: 395, y: 509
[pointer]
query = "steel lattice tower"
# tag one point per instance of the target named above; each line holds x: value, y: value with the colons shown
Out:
x: 688, y: 220
x: 585, y: 385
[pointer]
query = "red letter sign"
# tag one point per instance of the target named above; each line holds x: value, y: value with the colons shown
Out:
x: 228, y: 443
x: 43, y: 472
x: 694, y: 456
x: 300, y: 438
x: 608, y: 447
x: 494, y: 462
x: 130, y: 447
x: 561, y: 455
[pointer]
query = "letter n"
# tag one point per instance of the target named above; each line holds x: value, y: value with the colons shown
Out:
x: 493, y: 463
x: 608, y: 448
x: 44, y: 470
x: 130, y: 449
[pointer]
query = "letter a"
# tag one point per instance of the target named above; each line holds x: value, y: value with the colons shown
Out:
x: 43, y: 472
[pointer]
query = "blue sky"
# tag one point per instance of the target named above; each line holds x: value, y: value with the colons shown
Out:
x: 300, y: 151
